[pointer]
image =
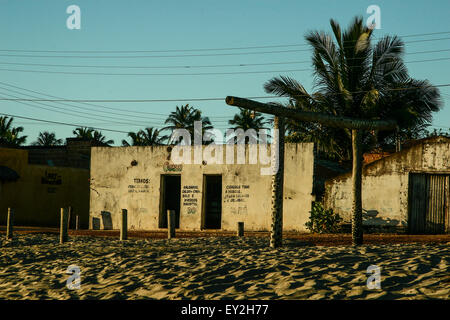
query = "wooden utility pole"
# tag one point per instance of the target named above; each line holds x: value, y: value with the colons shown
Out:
x: 10, y: 224
x: 276, y: 232
x: 356, y: 125
x: 240, y: 231
x: 325, y: 119
x: 170, y: 224
x: 69, y: 217
x: 63, y: 226
x: 357, y: 232
x: 124, y: 225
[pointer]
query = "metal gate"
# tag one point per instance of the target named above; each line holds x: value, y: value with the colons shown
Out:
x: 429, y: 203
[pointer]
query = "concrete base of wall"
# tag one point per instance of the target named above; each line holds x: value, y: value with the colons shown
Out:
x: 347, y: 228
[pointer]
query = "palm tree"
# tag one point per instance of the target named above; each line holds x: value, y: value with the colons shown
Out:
x: 47, y: 139
x: 354, y: 79
x: 357, y: 80
x: 247, y: 119
x: 147, y: 137
x: 5, y: 125
x: 10, y: 135
x: 83, y: 133
x: 136, y: 139
x: 92, y: 135
x: 184, y: 117
x: 99, y: 138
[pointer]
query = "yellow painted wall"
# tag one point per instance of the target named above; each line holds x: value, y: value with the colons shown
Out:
x: 36, y: 201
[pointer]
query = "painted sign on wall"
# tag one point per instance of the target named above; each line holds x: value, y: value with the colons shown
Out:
x: 237, y: 193
x: 140, y: 185
x: 51, y: 179
x: 190, y: 200
x: 168, y: 167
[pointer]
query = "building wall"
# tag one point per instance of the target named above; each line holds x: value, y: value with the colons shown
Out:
x: 114, y: 186
x: 385, y: 183
x: 76, y: 153
x: 41, y: 191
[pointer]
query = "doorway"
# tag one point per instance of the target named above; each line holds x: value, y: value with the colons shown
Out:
x: 212, y: 202
x: 170, y: 199
x: 429, y: 203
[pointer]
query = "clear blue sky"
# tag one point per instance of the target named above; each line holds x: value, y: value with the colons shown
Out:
x: 172, y: 25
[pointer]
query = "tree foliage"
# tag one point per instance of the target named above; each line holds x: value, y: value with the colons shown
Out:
x: 146, y: 137
x: 357, y: 79
x: 92, y: 135
x: 10, y: 135
x: 47, y: 139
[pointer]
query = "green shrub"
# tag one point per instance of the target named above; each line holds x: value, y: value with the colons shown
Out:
x: 323, y: 221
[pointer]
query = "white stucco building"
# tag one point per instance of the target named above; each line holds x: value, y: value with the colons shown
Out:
x: 147, y: 182
x: 408, y: 190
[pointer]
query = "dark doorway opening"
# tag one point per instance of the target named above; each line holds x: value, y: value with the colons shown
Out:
x: 170, y: 199
x: 212, y: 202
x: 429, y: 203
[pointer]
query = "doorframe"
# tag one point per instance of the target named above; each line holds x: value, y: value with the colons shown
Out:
x: 162, y: 197
x: 203, y: 216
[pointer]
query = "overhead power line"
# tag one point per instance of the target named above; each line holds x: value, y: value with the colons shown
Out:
x: 181, y: 55
x: 107, y: 116
x: 187, y: 66
x: 60, y: 123
x: 204, y: 49
x: 97, y: 105
x: 154, y: 74
x: 186, y: 74
x: 84, y: 115
x: 199, y: 99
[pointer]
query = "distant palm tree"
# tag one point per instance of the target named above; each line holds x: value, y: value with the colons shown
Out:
x: 47, y: 139
x: 248, y: 119
x: 92, y: 135
x: 147, y: 137
x: 98, y: 137
x: 83, y: 133
x: 136, y: 139
x: 10, y: 135
x: 184, y: 117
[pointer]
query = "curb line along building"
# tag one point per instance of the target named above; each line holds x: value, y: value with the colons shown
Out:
x: 147, y: 182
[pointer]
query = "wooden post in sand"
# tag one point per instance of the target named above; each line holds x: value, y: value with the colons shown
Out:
x: 63, y: 226
x: 77, y: 222
x: 69, y: 218
x: 276, y: 232
x: 123, y: 225
x: 240, y: 232
x: 170, y: 224
x: 10, y: 223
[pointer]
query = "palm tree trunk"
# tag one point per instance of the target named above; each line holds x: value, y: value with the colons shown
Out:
x: 276, y: 232
x: 357, y: 232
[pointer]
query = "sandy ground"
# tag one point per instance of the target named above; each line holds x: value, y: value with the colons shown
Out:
x: 33, y: 266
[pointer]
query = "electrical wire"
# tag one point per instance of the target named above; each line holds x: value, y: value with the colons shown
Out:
x: 96, y: 105
x: 201, y: 49
x: 183, y: 55
x: 186, y: 74
x: 60, y: 123
x: 203, y: 99
x: 187, y: 66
